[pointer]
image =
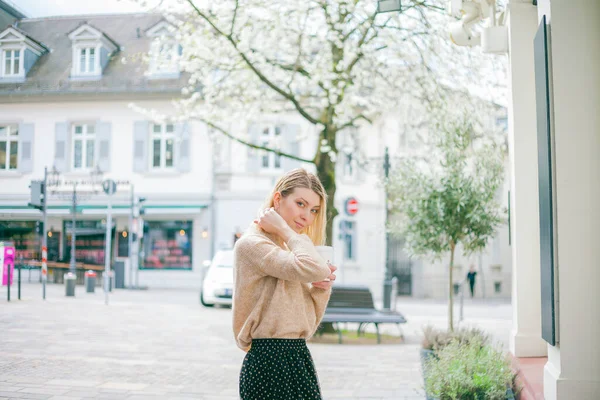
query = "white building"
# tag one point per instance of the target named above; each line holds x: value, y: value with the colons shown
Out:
x: 554, y: 53
x: 67, y: 96
x: 65, y: 104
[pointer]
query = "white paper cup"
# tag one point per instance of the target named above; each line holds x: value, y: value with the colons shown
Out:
x: 326, y: 252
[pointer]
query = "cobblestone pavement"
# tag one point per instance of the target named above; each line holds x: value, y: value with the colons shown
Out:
x: 161, y: 344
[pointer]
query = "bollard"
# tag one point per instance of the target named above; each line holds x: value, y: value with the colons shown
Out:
x: 8, y: 282
x: 90, y: 281
x: 70, y: 281
x: 19, y: 281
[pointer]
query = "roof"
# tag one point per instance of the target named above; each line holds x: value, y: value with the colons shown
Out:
x: 51, y: 73
x: 42, y: 45
x: 11, y: 10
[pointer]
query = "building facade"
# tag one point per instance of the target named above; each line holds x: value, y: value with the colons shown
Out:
x: 74, y: 108
x: 554, y: 53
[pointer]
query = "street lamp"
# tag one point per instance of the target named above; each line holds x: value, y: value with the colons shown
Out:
x: 53, y: 178
x: 96, y: 176
x: 387, y: 283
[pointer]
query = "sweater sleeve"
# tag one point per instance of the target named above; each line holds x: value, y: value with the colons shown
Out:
x: 301, y: 264
x: 320, y: 299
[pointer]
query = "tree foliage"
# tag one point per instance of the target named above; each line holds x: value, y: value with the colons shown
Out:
x: 450, y: 200
x: 334, y: 63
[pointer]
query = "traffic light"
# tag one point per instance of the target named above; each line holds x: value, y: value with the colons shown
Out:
x: 39, y: 228
x: 38, y: 192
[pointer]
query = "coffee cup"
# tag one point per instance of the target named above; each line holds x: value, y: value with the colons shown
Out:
x: 326, y: 253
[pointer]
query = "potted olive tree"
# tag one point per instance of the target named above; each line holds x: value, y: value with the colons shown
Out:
x: 451, y: 201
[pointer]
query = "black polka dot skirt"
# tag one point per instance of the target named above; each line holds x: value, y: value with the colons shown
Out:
x: 279, y: 369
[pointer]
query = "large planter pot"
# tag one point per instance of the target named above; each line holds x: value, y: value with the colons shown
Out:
x: 427, y: 354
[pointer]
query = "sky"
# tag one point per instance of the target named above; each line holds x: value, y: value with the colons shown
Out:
x: 46, y: 8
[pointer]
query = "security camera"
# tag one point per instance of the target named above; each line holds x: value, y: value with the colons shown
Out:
x: 493, y: 38
x: 461, y: 32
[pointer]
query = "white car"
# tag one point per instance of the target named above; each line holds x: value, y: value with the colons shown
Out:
x: 217, y: 286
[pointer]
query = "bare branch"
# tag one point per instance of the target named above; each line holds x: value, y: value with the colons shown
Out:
x: 258, y: 73
x: 353, y: 120
x: 249, y: 144
x: 235, y: 10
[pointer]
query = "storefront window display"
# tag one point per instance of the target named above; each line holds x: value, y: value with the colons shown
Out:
x: 167, y: 245
x: 89, y: 242
x: 24, y: 237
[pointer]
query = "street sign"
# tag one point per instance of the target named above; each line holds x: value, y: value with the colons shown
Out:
x: 384, y: 6
x: 351, y: 206
x: 109, y: 186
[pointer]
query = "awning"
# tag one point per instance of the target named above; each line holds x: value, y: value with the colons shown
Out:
x: 91, y: 209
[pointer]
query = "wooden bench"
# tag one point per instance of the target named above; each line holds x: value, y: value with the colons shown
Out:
x: 355, y: 304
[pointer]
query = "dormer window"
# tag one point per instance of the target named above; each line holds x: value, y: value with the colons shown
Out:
x: 18, y: 53
x: 92, y: 51
x: 12, y: 63
x: 164, y: 52
x: 87, y: 60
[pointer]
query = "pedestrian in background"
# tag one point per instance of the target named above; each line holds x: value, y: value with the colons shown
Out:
x: 281, y: 289
x: 471, y: 277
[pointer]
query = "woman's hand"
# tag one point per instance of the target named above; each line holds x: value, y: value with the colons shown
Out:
x: 326, y: 284
x: 271, y: 222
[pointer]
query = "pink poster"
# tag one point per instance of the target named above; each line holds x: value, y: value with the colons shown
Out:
x: 7, y: 262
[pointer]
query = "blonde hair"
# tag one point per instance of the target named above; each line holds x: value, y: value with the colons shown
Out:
x: 300, y: 178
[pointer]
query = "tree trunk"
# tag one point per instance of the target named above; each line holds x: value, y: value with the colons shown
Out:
x: 326, y: 173
x: 451, y: 292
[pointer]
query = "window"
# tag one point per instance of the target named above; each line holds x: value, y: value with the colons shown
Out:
x: 9, y: 147
x: 87, y: 60
x: 167, y: 245
x: 163, y: 139
x: 90, y: 242
x: 348, y: 236
x: 123, y: 244
x: 497, y: 287
x: 12, y: 63
x: 23, y: 236
x: 271, y: 138
x: 164, y: 57
x: 502, y: 123
x: 348, y: 165
x: 83, y: 146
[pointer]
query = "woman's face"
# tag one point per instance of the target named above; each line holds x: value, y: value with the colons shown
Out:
x: 299, y: 209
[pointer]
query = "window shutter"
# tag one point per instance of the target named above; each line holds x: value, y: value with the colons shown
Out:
x: 25, y: 163
x: 103, y: 145
x: 140, y: 146
x: 62, y: 147
x: 291, y: 145
x: 254, y: 155
x: 182, y: 147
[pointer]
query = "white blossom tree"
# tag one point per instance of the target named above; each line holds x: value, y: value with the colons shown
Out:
x: 336, y: 63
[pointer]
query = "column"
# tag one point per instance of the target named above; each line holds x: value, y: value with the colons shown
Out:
x: 525, y: 340
x: 573, y: 368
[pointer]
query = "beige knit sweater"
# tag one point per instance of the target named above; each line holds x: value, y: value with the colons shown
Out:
x: 272, y: 295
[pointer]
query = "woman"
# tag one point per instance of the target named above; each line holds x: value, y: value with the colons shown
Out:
x: 281, y: 290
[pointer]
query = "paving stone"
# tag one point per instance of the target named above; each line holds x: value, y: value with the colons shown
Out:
x: 164, y: 344
x: 73, y: 382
